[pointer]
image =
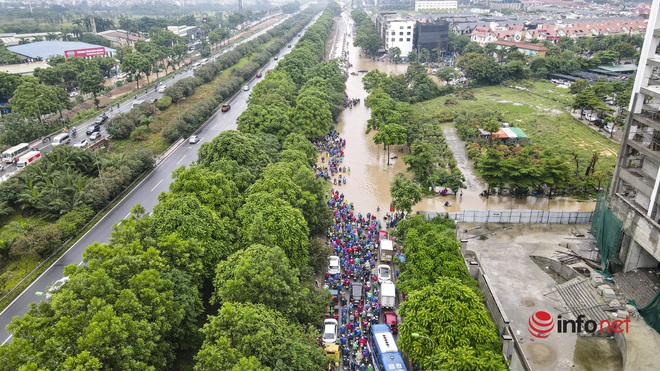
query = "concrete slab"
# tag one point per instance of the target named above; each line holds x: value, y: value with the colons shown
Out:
x: 521, y: 286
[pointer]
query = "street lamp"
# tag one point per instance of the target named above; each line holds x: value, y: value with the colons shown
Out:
x: 416, y: 335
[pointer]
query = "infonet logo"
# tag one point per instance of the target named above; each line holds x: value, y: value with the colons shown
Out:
x: 541, y: 325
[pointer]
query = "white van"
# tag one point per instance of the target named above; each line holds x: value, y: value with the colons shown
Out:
x: 28, y: 158
x: 59, y: 139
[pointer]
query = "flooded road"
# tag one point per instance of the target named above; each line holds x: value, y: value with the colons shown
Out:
x: 368, y: 185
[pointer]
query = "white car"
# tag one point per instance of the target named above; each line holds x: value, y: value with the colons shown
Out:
x: 333, y: 266
x: 193, y: 139
x: 95, y: 136
x: 384, y: 273
x: 82, y: 144
x: 246, y: 88
x: 329, y: 331
x: 57, y: 286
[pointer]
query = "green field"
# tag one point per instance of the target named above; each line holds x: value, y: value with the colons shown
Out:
x: 541, y: 112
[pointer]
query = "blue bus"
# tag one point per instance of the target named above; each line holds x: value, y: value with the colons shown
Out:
x: 384, y: 352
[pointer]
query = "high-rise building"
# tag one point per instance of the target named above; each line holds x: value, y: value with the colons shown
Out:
x: 634, y: 195
x: 432, y: 35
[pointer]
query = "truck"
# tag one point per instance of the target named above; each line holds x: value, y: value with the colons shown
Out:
x: 387, y: 295
x: 386, y: 250
x: 27, y: 159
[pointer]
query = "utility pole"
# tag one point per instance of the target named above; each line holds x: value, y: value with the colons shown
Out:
x: 240, y: 6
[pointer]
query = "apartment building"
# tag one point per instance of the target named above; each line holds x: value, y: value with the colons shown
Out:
x: 633, y: 197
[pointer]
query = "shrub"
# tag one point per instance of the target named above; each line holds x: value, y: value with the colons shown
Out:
x: 164, y: 102
x: 41, y: 240
x: 71, y: 222
x: 121, y: 127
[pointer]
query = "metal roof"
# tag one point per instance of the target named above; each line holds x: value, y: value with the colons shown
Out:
x: 519, y: 132
x: 49, y: 49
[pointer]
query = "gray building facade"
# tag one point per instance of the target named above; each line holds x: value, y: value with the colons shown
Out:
x: 430, y: 35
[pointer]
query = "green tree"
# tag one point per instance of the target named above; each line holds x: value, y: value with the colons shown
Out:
x: 389, y: 135
x: 268, y: 220
x: 405, y: 193
x: 32, y: 99
x: 311, y: 116
x: 585, y: 100
x: 91, y: 81
x: 468, y: 329
x: 396, y: 54
x: 578, y: 86
x: 253, y: 331
x: 263, y: 275
x: 447, y: 74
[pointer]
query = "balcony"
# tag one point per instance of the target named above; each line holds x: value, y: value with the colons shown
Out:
x: 638, y: 180
x: 647, y: 141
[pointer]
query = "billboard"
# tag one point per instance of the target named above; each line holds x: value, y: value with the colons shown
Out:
x: 89, y: 52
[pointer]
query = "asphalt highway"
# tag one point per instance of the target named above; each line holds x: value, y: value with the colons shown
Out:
x: 145, y: 193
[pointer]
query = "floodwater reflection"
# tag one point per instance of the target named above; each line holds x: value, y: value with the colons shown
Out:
x: 368, y: 185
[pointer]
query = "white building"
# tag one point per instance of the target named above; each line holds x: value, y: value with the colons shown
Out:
x: 435, y: 4
x: 635, y: 192
x: 396, y: 31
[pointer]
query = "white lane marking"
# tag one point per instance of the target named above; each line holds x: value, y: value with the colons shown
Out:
x: 127, y: 215
x: 4, y: 342
x: 184, y: 156
x: 213, y: 127
x: 152, y: 189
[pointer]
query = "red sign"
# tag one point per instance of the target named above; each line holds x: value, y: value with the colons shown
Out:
x: 89, y: 52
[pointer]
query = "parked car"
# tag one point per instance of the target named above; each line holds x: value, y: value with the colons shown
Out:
x: 73, y: 94
x: 57, y: 285
x: 333, y: 266
x: 95, y: 136
x: 357, y: 291
x: 193, y: 139
x: 82, y: 144
x: 93, y: 129
x: 259, y: 74
x: 329, y: 331
x: 289, y: 46
x: 225, y: 107
x: 384, y: 273
x: 246, y: 88
x: 276, y: 58
x: 391, y: 320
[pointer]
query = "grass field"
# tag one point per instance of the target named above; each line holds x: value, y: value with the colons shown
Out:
x: 541, y: 112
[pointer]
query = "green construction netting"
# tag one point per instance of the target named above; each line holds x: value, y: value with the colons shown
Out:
x: 651, y: 312
x: 607, y: 229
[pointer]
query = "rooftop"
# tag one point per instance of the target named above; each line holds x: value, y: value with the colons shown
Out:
x: 48, y: 49
x: 521, y: 45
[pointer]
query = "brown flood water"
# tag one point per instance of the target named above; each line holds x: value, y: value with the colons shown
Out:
x: 368, y: 185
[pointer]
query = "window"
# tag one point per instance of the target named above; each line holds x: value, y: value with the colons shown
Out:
x: 408, y: 27
x: 401, y: 33
x: 408, y: 34
x: 393, y: 39
x: 401, y: 39
x: 401, y: 27
x: 408, y: 39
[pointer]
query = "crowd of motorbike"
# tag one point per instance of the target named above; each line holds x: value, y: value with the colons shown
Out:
x: 354, y: 238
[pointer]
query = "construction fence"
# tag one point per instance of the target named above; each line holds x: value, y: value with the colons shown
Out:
x: 516, y: 216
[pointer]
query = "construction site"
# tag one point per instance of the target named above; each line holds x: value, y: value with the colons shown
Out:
x: 557, y: 268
